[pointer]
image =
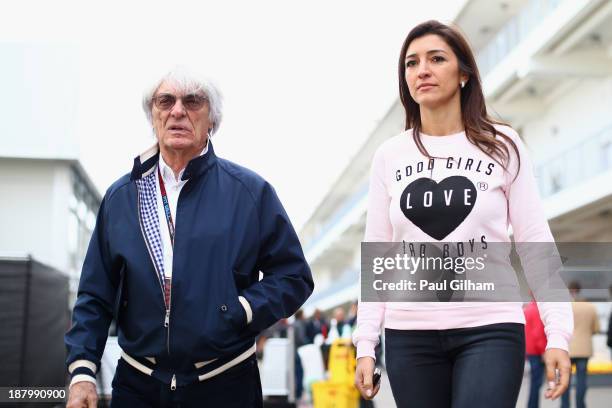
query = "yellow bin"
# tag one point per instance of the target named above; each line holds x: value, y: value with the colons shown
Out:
x: 327, y: 394
x: 342, y: 362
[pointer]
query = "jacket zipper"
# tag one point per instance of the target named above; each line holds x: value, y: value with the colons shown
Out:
x: 166, y: 306
x: 169, y: 306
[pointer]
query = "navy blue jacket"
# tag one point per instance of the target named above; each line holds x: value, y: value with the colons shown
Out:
x: 230, y: 226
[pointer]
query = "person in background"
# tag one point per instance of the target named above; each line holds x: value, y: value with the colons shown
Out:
x: 316, y: 325
x: 299, y: 339
x: 609, y: 340
x: 337, y: 325
x: 586, y: 324
x: 299, y: 329
x: 279, y: 330
x: 535, y: 345
x: 352, y: 317
x: 339, y: 317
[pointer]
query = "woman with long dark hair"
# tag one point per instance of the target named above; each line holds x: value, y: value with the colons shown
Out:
x: 453, y: 354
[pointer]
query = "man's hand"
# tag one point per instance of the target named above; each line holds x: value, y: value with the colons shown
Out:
x: 82, y: 395
x: 555, y: 358
x: 363, y: 377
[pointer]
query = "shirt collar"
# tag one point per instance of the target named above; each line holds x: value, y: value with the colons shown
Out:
x: 168, y: 174
x: 147, y: 163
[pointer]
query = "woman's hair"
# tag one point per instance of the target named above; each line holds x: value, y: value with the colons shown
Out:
x: 479, y: 126
x: 187, y: 82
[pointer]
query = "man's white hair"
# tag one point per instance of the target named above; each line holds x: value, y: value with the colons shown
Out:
x: 186, y: 82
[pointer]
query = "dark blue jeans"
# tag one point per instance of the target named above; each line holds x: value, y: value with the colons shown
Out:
x: 537, y: 377
x: 581, y: 384
x: 238, y: 387
x: 476, y: 367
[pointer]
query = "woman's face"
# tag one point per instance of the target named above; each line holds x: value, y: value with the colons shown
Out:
x: 432, y: 72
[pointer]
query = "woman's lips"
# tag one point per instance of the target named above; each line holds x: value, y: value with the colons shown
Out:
x: 426, y: 87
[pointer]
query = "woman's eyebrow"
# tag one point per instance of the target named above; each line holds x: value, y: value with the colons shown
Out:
x: 428, y: 52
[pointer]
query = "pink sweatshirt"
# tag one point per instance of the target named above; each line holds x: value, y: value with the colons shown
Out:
x: 501, y: 202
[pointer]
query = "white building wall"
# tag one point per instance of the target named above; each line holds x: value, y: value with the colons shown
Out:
x: 48, y: 212
x: 62, y: 190
x: 31, y: 215
x: 576, y: 115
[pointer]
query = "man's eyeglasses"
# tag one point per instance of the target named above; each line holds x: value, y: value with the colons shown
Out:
x: 192, y: 102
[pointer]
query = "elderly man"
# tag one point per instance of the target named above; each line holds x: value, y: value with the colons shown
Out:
x: 175, y: 258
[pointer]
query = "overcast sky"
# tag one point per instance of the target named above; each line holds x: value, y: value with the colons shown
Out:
x: 304, y: 82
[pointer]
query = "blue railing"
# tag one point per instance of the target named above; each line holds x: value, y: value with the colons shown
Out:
x: 515, y: 31
x: 588, y: 158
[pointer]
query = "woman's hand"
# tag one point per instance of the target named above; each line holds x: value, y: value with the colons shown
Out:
x: 363, y: 377
x: 555, y: 358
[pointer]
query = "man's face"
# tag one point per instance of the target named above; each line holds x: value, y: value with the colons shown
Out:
x: 180, y: 127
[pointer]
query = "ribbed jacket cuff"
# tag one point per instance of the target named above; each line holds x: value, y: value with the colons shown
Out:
x: 365, y: 348
x: 83, y: 364
x: 82, y: 377
x: 82, y: 370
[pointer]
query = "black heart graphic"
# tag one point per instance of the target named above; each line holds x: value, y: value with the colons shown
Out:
x: 438, y: 208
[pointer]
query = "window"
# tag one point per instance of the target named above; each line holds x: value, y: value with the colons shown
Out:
x: 82, y: 207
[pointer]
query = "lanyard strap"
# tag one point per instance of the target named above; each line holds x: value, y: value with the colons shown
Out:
x: 164, y: 196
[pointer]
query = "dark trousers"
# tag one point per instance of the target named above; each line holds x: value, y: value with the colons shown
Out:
x: 238, y: 387
x: 477, y: 367
x: 536, y: 378
x: 299, y: 377
x: 581, y: 384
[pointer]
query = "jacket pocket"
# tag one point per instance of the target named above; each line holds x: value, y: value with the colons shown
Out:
x: 242, y: 280
x: 231, y: 308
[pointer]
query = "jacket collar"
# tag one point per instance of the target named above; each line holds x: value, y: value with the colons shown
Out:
x: 145, y: 163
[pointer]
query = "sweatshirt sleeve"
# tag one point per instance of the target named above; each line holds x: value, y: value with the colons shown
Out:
x: 529, y: 225
x: 378, y: 229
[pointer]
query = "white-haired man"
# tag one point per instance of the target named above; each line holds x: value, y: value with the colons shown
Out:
x: 175, y: 258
